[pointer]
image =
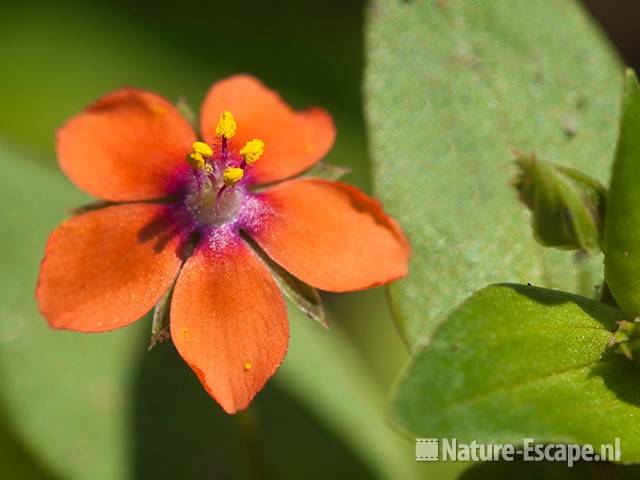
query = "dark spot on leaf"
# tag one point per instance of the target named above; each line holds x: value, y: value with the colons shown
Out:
x: 582, y: 102
x: 538, y: 76
x: 570, y: 128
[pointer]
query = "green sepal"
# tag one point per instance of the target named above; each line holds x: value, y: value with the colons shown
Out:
x: 301, y: 294
x: 188, y: 112
x: 160, y: 323
x: 326, y: 171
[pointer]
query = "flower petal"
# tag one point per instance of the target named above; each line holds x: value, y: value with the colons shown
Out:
x: 331, y: 235
x: 229, y: 322
x: 125, y: 146
x: 293, y: 140
x: 106, y: 268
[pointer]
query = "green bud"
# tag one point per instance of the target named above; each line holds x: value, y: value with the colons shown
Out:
x: 627, y: 339
x: 567, y: 206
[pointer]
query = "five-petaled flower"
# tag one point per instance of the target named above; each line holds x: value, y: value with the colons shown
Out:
x: 181, y: 209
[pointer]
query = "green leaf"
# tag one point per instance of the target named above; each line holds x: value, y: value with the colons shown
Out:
x: 622, y: 252
x: 518, y: 362
x: 451, y: 87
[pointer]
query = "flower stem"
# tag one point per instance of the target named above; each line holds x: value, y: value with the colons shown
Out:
x: 247, y: 422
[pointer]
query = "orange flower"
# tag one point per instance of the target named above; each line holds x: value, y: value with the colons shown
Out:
x: 176, y: 209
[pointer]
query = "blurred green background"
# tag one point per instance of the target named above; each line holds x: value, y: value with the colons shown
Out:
x: 64, y: 396
x: 74, y: 406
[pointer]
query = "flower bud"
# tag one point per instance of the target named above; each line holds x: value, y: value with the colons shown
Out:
x: 568, y: 206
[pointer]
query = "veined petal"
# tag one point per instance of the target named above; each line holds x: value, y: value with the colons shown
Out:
x: 229, y: 322
x: 330, y: 235
x: 106, y: 268
x: 126, y: 146
x: 294, y: 141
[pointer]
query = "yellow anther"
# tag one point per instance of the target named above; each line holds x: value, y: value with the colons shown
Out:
x: 247, y: 366
x: 232, y: 175
x: 252, y: 150
x: 202, y: 148
x: 196, y: 160
x: 226, y: 125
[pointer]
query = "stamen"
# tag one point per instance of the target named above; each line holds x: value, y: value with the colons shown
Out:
x: 252, y: 150
x: 232, y: 175
x: 247, y: 366
x: 196, y: 160
x: 226, y: 127
x: 203, y: 149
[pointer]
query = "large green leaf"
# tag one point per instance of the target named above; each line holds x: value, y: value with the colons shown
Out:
x: 451, y: 87
x: 515, y: 362
x: 622, y: 257
x: 72, y: 397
